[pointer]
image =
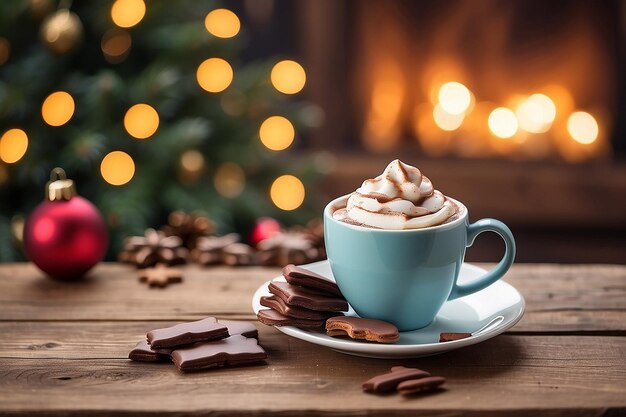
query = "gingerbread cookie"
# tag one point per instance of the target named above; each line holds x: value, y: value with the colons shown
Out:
x: 359, y: 328
x: 160, y: 276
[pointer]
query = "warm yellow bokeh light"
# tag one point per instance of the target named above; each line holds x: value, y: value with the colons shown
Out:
x: 454, y: 97
x: 277, y: 133
x: 13, y: 145
x: 127, y: 13
x: 446, y: 121
x: 287, y: 192
x: 230, y: 180
x: 192, y: 161
x: 582, y: 127
x: 115, y: 45
x: 222, y: 23
x: 117, y: 168
x: 536, y: 114
x: 58, y: 108
x: 503, y: 123
x: 288, y: 77
x: 141, y: 121
x: 214, y: 75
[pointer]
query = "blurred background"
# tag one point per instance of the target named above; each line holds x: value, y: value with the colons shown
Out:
x: 245, y: 109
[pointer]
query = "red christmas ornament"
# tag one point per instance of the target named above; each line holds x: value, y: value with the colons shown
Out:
x: 264, y: 228
x: 65, y: 236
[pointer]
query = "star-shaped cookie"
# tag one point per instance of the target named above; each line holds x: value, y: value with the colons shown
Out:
x: 160, y: 276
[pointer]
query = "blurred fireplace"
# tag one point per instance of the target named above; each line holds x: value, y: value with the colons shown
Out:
x: 548, y: 161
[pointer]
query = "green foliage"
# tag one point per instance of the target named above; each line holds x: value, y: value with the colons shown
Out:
x: 167, y: 47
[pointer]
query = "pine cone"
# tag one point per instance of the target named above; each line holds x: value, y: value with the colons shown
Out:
x: 152, y: 248
x: 287, y: 248
x: 238, y: 254
x: 209, y: 249
x: 314, y: 231
x: 189, y: 227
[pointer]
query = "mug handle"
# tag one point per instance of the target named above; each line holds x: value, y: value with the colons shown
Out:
x: 473, y: 230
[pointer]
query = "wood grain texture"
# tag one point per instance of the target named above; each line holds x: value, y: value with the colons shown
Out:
x: 64, y: 346
x: 560, y: 298
x: 77, y: 368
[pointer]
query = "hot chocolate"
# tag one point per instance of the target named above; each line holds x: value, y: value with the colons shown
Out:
x: 399, y: 198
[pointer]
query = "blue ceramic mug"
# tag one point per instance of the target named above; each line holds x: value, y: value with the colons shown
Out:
x: 405, y: 276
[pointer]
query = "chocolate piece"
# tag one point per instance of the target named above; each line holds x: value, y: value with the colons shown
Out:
x: 389, y: 381
x: 305, y: 278
x: 274, y: 318
x: 243, y: 328
x: 451, y: 336
x: 413, y: 386
x: 360, y: 328
x: 142, y: 353
x: 234, y: 350
x: 160, y: 276
x: 186, y: 333
x: 302, y: 297
x: 279, y: 305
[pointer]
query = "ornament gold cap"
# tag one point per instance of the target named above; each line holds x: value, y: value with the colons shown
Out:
x: 59, y: 188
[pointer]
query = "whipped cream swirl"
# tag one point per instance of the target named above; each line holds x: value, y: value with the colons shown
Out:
x: 400, y: 198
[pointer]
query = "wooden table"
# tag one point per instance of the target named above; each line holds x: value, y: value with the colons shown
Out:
x: 64, y: 346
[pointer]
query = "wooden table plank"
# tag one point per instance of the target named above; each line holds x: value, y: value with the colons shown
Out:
x: 64, y: 347
x: 72, y: 369
x: 559, y: 298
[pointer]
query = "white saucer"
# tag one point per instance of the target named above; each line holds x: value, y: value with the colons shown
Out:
x: 498, y: 307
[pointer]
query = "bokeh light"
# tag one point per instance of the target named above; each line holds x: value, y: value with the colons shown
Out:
x: 191, y: 166
x: 13, y: 145
x: 277, y: 133
x: 58, y: 108
x: 214, y: 75
x: 287, y: 192
x: 141, y: 121
x: 222, y: 23
x: 5, y: 50
x: 115, y: 45
x: 230, y: 180
x: 446, y: 121
x: 192, y: 161
x: 536, y: 114
x: 582, y: 127
x: 454, y: 97
x: 127, y: 13
x: 288, y: 77
x: 117, y: 168
x: 503, y: 123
